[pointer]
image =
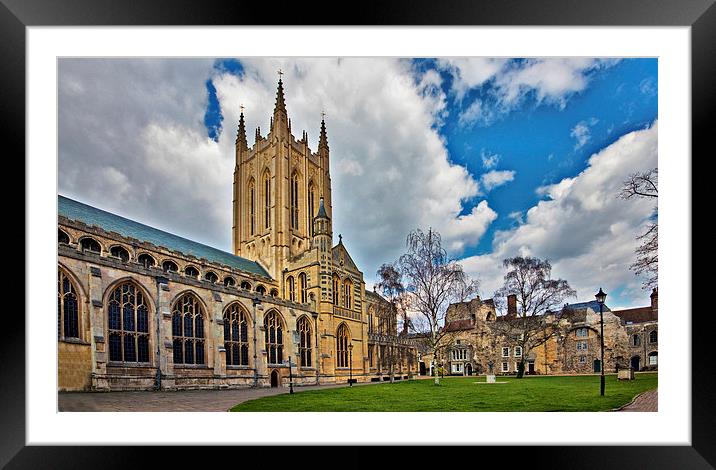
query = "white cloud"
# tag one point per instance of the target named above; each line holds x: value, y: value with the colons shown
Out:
x: 582, y: 132
x: 586, y: 231
x: 144, y: 118
x: 496, y: 178
x: 489, y: 160
x: 549, y: 81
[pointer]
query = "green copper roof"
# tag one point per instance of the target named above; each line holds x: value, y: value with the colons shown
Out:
x: 109, y: 222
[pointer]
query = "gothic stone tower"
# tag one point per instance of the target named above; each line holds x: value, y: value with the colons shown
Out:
x: 277, y: 186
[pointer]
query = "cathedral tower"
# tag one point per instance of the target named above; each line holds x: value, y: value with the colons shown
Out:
x: 277, y: 186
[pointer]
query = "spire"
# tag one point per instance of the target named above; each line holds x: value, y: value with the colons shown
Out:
x: 323, y: 139
x: 241, y: 133
x: 280, y: 100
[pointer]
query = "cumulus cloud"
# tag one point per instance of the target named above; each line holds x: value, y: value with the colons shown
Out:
x: 144, y: 119
x: 495, y: 178
x: 586, y: 231
x: 582, y: 132
x: 489, y: 160
x: 508, y: 84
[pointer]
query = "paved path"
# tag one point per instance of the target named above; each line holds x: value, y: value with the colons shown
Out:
x: 647, y: 401
x: 185, y: 400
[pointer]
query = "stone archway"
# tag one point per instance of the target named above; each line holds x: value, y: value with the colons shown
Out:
x: 275, y: 378
x: 635, y: 363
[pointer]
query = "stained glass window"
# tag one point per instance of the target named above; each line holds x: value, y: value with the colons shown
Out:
x: 90, y: 244
x: 68, y: 316
x: 236, y: 336
x: 304, y: 345
x: 188, y: 330
x: 342, y: 340
x: 128, y: 324
x: 273, y: 327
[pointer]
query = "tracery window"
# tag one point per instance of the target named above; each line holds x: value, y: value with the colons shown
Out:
x: 635, y: 340
x: 261, y: 290
x: 62, y: 237
x: 245, y: 285
x: 302, y: 286
x: 236, y: 336
x: 252, y: 207
x: 146, y: 260
x: 211, y: 277
x: 304, y: 344
x: 128, y: 324
x: 188, y: 330
x: 293, y: 196
x: 170, y: 266
x: 90, y: 244
x: 274, y: 292
x: 267, y: 200
x: 229, y: 281
x: 291, y: 286
x: 653, y: 336
x: 68, y: 314
x: 119, y: 252
x: 582, y: 332
x: 273, y: 329
x: 342, y: 341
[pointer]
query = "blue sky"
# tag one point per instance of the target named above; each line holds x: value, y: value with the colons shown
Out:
x: 503, y: 157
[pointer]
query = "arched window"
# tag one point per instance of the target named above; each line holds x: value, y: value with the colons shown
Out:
x: 128, y: 324
x: 635, y: 340
x: 90, y: 244
x: 274, y: 292
x: 293, y: 197
x: 273, y: 328
x: 370, y: 320
x: 252, y: 207
x: 261, y: 290
x: 119, y: 252
x: 170, y: 266
x: 304, y: 344
x: 291, y: 289
x: 336, y: 289
x: 653, y: 358
x: 245, y: 285
x: 68, y: 313
x: 267, y: 200
x: 191, y: 271
x: 62, y: 237
x: 188, y: 330
x: 311, y: 206
x: 229, y: 281
x: 236, y: 336
x: 146, y: 260
x: 653, y: 337
x: 347, y: 293
x: 302, y: 286
x: 342, y: 340
x: 211, y: 277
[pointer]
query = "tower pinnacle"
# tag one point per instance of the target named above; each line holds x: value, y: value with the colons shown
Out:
x: 323, y: 139
x: 241, y: 142
x: 280, y: 100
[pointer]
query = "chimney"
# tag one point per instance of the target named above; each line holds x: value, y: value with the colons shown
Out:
x: 654, y: 299
x: 512, y: 305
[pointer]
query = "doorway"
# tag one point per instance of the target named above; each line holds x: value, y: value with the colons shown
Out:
x: 635, y: 363
x: 274, y: 378
x: 422, y: 368
x: 531, y: 368
x: 597, y: 365
x: 468, y: 369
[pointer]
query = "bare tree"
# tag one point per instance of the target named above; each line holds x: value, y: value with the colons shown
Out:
x: 432, y: 281
x: 537, y: 294
x: 645, y: 185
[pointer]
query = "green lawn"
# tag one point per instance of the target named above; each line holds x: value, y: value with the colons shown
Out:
x: 463, y: 394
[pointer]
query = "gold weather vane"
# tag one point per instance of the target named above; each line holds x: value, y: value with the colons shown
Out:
x: 242, y: 108
x: 323, y: 115
x: 280, y: 74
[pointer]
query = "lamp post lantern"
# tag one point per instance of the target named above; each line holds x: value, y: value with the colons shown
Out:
x: 350, y: 365
x: 290, y: 376
x: 601, y: 297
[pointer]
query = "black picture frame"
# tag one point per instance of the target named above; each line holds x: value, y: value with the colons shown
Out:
x: 700, y: 15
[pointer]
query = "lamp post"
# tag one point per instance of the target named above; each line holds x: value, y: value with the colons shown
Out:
x: 350, y: 365
x: 290, y: 376
x: 256, y: 302
x: 601, y: 297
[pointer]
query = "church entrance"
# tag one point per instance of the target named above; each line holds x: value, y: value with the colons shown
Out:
x: 635, y: 363
x: 468, y: 369
x: 274, y: 378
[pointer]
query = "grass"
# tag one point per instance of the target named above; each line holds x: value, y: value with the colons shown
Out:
x: 580, y: 393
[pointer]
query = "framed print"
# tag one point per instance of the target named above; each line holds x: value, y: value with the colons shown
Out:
x: 443, y: 219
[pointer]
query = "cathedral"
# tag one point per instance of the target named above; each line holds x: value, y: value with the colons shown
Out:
x: 143, y: 309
